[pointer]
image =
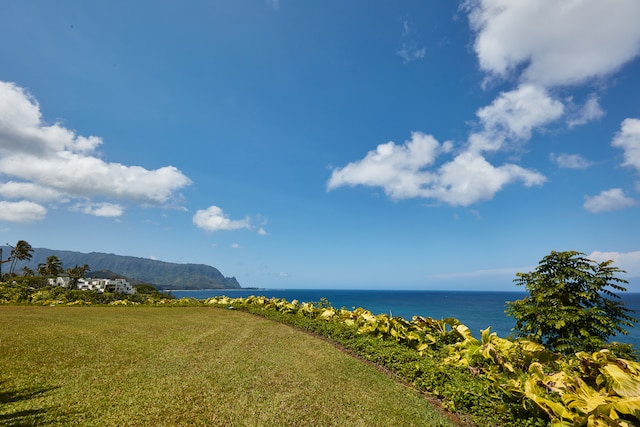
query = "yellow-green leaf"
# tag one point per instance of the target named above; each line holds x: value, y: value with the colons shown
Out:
x: 622, y: 382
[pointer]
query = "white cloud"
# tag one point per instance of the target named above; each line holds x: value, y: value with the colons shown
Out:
x: 470, y: 178
x: 84, y: 176
x: 591, y: 110
x: 262, y: 231
x: 22, y: 129
x: 628, y: 261
x: 52, y: 163
x: 554, y: 43
x: 22, y: 211
x: 514, y: 115
x: 628, y: 139
x: 570, y: 161
x: 401, y: 172
x: 399, y: 169
x: 110, y: 210
x: 608, y: 200
x: 214, y: 219
x: 31, y: 191
x: 235, y: 246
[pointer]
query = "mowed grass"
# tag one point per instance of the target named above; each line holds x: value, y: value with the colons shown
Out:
x: 151, y: 366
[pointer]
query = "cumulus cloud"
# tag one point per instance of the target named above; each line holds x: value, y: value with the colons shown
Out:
x: 513, y: 116
x: 22, y: 211
x: 79, y: 175
x: 214, y: 219
x: 628, y: 261
x: 110, y: 210
x: 49, y: 162
x: 608, y: 200
x: 31, y: 191
x: 401, y: 171
x: 22, y: 129
x: 570, y: 161
x: 551, y: 43
x: 470, y: 178
x: 628, y: 139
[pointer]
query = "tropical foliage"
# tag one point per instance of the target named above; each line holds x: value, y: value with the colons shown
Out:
x: 22, y: 251
x: 51, y: 268
x: 75, y: 274
x: 584, y: 389
x: 571, y: 305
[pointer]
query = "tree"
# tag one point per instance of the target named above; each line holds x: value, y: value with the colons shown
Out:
x: 20, y: 252
x: 27, y: 272
x: 75, y: 274
x: 571, y: 306
x: 52, y: 268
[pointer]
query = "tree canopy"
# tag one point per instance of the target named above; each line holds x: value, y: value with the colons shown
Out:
x: 571, y: 304
x: 20, y: 252
x: 52, y: 268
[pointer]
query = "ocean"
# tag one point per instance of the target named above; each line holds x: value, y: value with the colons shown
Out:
x: 477, y: 310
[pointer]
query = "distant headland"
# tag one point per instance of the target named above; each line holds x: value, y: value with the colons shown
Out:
x: 163, y: 275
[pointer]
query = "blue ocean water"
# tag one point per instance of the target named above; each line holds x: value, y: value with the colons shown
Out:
x: 477, y: 310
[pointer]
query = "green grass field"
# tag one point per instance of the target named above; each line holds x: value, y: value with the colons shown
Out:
x: 151, y: 366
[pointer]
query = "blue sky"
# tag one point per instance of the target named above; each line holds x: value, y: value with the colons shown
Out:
x: 359, y: 144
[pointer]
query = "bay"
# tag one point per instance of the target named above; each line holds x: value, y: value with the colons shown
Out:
x: 476, y: 309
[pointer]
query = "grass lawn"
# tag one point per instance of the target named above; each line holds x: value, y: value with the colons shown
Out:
x: 154, y: 366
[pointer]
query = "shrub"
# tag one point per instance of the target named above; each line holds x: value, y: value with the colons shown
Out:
x: 571, y: 306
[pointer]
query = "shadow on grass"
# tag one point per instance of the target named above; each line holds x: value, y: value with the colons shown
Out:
x: 25, y: 417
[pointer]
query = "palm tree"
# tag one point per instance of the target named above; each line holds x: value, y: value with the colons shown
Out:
x: 26, y: 271
x: 52, y: 268
x: 20, y: 252
x: 75, y: 274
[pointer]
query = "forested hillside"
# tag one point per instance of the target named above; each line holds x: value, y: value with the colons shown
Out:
x: 164, y: 275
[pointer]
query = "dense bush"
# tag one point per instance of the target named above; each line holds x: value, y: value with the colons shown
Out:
x: 15, y: 292
x: 29, y: 291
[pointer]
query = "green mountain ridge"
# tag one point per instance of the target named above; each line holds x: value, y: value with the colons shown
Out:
x: 163, y: 275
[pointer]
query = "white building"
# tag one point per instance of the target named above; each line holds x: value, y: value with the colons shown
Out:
x: 98, y: 285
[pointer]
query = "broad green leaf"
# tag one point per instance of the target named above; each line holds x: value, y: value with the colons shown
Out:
x: 580, y: 397
x: 465, y: 332
x: 628, y: 405
x: 530, y: 346
x: 328, y: 313
x: 622, y: 382
x: 556, y: 410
